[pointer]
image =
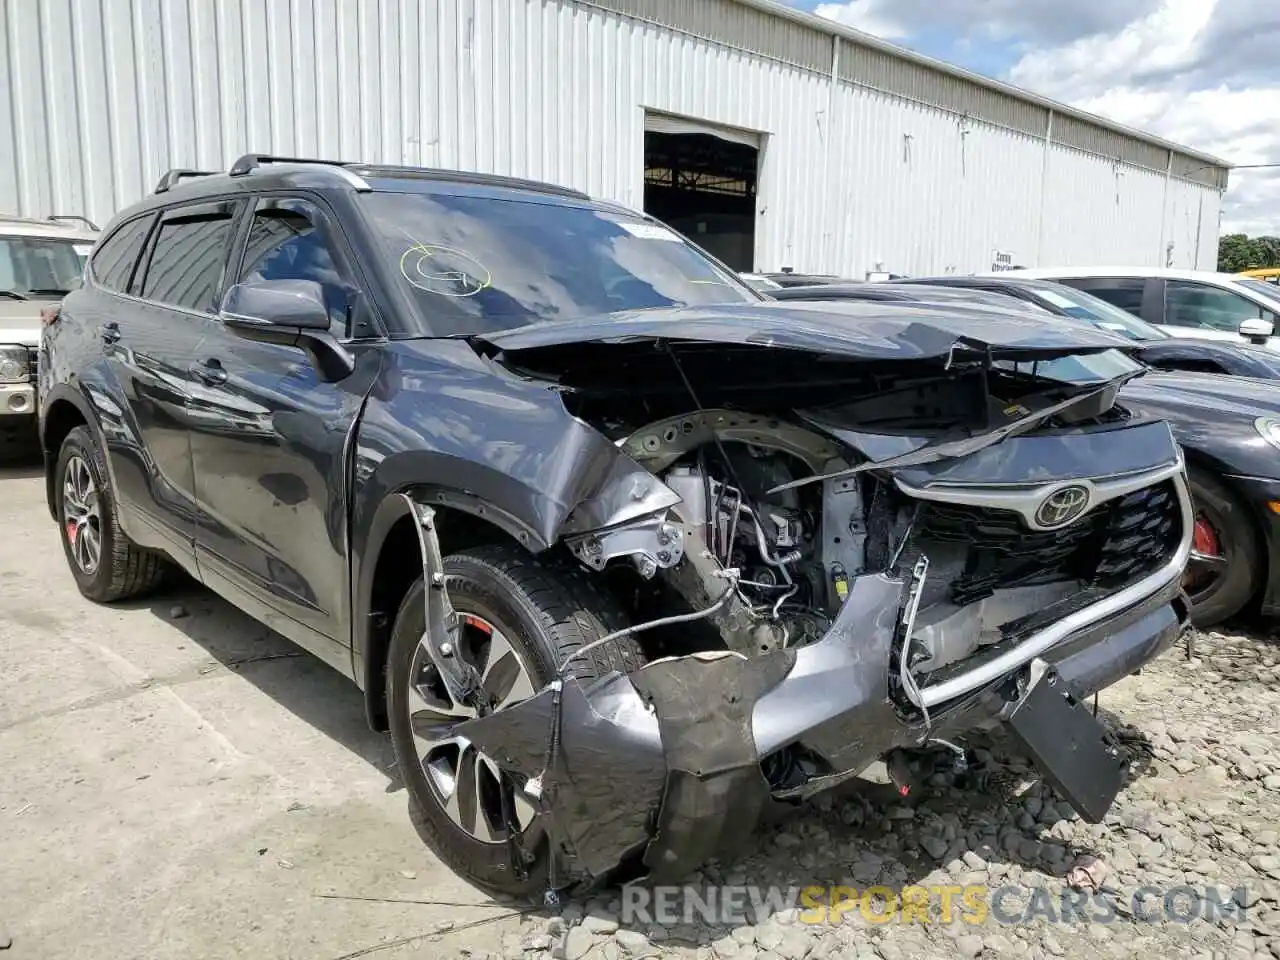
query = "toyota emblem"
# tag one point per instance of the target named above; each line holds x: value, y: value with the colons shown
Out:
x: 1062, y: 506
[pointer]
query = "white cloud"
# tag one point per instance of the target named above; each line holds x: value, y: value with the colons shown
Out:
x: 1050, y: 21
x: 867, y: 16
x: 1203, y: 73
x: 1157, y: 74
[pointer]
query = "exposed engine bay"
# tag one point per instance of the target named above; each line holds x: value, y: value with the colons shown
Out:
x: 788, y: 555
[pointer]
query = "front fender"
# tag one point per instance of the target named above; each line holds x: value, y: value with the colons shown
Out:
x: 454, y: 430
x: 448, y: 421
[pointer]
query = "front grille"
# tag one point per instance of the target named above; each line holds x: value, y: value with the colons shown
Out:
x: 1113, y: 544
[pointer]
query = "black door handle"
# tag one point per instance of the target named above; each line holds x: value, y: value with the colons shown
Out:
x: 209, y: 371
x: 110, y: 332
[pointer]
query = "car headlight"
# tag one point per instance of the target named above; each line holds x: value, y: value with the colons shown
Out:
x: 1269, y: 428
x: 13, y: 364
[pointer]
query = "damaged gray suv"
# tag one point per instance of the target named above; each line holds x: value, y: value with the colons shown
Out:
x: 620, y: 553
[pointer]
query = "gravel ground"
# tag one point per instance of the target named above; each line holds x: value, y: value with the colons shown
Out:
x: 1200, y: 812
x: 178, y: 781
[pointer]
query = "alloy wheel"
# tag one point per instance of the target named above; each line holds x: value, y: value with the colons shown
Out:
x: 81, y: 514
x: 467, y: 783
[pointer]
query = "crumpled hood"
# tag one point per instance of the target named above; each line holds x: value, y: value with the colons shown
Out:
x: 20, y: 321
x: 1195, y: 392
x: 844, y: 328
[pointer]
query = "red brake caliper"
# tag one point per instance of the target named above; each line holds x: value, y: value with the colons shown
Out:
x: 71, y: 532
x: 1205, y: 540
x: 475, y: 622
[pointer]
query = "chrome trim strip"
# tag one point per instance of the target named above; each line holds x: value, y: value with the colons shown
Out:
x: 354, y: 180
x: 1026, y: 500
x: 1037, y: 644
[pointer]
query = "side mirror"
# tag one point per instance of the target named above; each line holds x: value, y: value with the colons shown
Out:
x: 292, y: 305
x: 291, y: 313
x: 1257, y: 329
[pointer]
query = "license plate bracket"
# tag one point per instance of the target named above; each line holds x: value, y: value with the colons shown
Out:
x: 1072, y: 750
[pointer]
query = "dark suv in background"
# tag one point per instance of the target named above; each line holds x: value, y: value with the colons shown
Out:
x: 620, y: 552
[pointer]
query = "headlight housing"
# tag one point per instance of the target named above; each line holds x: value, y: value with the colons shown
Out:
x: 13, y: 363
x: 1269, y: 429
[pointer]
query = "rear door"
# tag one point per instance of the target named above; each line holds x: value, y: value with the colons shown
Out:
x: 269, y: 447
x: 149, y: 333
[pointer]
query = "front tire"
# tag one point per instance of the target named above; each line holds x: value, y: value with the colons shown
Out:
x: 105, y: 563
x: 1224, y: 573
x: 520, y: 618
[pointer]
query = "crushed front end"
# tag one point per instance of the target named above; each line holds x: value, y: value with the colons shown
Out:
x: 966, y: 543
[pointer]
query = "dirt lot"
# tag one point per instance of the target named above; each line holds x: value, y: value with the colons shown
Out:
x: 176, y: 781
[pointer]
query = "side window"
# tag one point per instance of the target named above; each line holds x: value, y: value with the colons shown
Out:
x: 1123, y: 292
x: 189, y: 257
x: 1189, y: 304
x: 291, y: 240
x: 114, y: 260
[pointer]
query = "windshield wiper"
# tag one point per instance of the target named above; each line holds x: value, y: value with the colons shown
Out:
x: 46, y: 292
x: 13, y: 295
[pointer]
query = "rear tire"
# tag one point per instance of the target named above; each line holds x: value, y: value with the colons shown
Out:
x: 89, y: 527
x: 1238, y: 580
x: 544, y: 612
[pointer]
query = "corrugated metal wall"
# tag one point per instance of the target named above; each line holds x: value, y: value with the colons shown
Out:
x: 104, y: 95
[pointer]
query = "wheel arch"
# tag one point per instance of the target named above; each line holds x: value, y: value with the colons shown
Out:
x: 1220, y: 472
x: 63, y: 411
x: 392, y: 561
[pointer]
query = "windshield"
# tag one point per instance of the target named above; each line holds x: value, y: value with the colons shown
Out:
x: 1269, y: 290
x: 1105, y: 316
x: 39, y: 266
x: 477, y: 265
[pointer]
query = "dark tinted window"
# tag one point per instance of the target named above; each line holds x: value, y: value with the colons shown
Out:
x: 1123, y: 292
x: 478, y: 264
x: 114, y: 260
x: 1190, y: 304
x: 289, y: 240
x: 188, y: 259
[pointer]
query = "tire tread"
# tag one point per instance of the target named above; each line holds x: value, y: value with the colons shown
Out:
x: 572, y: 610
x: 134, y: 571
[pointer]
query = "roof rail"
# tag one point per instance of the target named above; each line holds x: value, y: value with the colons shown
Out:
x: 73, y: 217
x: 174, y: 176
x: 252, y: 161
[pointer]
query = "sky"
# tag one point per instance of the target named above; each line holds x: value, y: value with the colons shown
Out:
x: 1204, y: 73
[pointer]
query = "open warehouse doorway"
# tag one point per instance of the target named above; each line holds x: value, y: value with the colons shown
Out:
x: 701, y: 180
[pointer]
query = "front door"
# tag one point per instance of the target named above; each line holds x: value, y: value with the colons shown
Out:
x: 269, y: 444
x: 1195, y: 309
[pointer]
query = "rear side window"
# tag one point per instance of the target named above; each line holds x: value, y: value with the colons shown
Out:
x: 114, y: 260
x: 189, y: 257
x: 1123, y: 292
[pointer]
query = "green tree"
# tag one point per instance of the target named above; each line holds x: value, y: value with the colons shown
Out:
x: 1238, y: 251
x: 1269, y: 248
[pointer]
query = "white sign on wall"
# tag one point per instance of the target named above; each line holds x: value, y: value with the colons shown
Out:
x: 1001, y: 260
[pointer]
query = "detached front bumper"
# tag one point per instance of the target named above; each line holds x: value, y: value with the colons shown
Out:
x: 663, y: 767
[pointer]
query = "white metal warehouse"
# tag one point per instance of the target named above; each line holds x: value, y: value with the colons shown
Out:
x: 775, y: 138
